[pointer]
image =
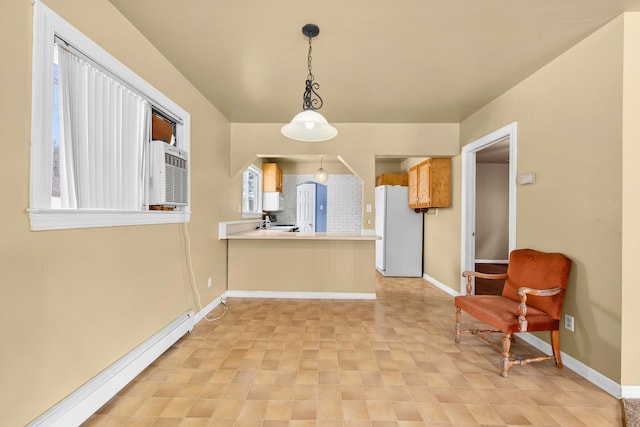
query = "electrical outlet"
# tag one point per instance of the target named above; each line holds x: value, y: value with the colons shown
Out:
x: 569, y: 322
x: 209, y: 283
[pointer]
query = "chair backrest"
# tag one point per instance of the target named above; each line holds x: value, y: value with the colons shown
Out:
x: 538, y: 270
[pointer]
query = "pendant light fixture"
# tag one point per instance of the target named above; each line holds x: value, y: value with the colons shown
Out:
x: 321, y: 176
x: 309, y: 125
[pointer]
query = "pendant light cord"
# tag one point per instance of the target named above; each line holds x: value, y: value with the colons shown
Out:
x: 311, y: 100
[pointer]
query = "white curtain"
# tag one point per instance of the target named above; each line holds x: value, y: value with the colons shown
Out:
x: 103, y: 127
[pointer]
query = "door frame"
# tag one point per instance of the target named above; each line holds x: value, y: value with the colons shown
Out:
x: 469, y: 151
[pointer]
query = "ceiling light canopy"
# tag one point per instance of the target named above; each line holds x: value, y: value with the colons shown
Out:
x: 309, y: 125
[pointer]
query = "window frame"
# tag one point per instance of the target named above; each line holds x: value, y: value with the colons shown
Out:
x: 257, y: 212
x: 46, y: 26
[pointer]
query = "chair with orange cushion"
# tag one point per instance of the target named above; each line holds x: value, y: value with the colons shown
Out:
x: 534, y: 289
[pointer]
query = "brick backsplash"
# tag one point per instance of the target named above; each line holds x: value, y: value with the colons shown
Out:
x: 344, y: 206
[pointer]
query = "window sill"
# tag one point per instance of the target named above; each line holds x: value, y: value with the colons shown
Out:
x: 61, y: 219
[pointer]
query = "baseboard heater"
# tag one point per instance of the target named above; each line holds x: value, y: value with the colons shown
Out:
x: 86, y: 400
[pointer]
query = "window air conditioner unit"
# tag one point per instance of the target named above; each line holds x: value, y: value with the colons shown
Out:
x: 169, y: 175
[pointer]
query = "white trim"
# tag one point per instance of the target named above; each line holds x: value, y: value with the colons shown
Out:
x: 467, y: 253
x: 87, y: 399
x: 56, y: 219
x: 209, y: 307
x: 492, y: 261
x: 590, y: 374
x: 440, y: 285
x: 630, y: 392
x: 41, y: 104
x: 300, y: 295
x: 46, y: 25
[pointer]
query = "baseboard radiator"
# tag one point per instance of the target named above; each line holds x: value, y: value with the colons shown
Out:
x: 86, y: 400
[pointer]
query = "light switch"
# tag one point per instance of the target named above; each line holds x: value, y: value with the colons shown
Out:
x: 368, y: 207
x: 527, y: 178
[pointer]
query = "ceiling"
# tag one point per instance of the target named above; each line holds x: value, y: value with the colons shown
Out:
x: 377, y: 61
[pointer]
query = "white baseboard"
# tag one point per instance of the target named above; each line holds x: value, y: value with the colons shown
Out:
x: 209, y: 307
x: 440, y: 285
x: 300, y: 295
x: 575, y: 365
x: 91, y: 396
x: 492, y: 261
x: 631, y: 391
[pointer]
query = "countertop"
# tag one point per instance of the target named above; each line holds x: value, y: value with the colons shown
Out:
x: 246, y: 230
x: 287, y: 235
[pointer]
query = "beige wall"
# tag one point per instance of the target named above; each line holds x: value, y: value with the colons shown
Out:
x: 309, y: 168
x: 569, y: 133
x: 301, y: 265
x: 442, y: 236
x: 356, y: 144
x: 74, y: 301
x: 631, y: 202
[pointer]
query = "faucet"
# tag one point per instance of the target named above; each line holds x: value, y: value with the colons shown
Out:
x: 264, y: 224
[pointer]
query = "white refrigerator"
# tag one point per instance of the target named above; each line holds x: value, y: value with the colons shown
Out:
x: 399, y: 253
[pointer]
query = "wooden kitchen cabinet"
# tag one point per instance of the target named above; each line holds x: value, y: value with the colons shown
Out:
x: 271, y: 177
x: 413, y: 186
x: 392, y: 179
x: 430, y: 185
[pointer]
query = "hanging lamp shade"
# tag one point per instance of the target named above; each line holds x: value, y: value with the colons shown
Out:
x: 321, y: 176
x: 309, y: 126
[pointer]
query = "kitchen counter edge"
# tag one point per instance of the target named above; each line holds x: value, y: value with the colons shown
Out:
x: 246, y: 230
x: 288, y: 235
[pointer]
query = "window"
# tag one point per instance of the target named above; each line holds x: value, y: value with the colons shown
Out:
x: 94, y: 123
x: 252, y: 192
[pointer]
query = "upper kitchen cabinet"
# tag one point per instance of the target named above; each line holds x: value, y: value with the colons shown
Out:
x: 391, y: 179
x: 430, y: 184
x: 271, y: 177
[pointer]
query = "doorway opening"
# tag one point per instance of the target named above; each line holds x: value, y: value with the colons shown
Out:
x: 488, y: 205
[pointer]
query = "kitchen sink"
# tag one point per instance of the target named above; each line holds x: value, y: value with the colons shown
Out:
x: 283, y: 228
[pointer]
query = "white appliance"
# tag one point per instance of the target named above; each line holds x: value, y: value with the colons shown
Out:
x: 272, y: 201
x: 399, y: 253
x: 169, y: 175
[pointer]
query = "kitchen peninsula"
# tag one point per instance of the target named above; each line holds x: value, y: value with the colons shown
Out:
x: 289, y: 264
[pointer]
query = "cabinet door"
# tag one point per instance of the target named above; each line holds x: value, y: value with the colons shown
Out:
x: 424, y: 184
x: 278, y: 179
x: 440, y: 185
x: 413, y: 187
x: 271, y: 177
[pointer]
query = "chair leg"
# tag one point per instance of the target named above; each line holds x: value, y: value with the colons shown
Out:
x: 506, y: 348
x: 458, y: 336
x: 555, y: 346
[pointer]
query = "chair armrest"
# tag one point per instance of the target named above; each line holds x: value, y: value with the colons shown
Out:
x: 522, y: 309
x: 471, y: 274
x: 538, y: 292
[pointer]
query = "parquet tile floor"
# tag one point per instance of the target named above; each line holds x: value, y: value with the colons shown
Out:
x: 389, y: 362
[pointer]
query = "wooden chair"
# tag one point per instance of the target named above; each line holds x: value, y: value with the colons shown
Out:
x: 534, y: 289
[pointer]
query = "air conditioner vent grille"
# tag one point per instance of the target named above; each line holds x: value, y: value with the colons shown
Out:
x: 176, y: 185
x: 169, y: 173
